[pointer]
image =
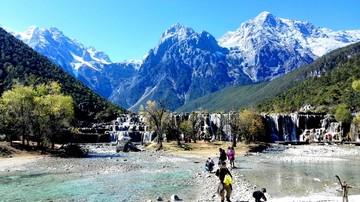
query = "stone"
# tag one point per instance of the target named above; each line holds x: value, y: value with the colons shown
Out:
x: 159, y: 198
x: 174, y: 197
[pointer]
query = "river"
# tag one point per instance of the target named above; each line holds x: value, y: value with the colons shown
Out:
x: 297, y: 173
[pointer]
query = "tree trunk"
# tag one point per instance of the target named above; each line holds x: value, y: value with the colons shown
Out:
x: 234, y: 140
x: 38, y: 142
x: 53, y: 143
x: 178, y: 139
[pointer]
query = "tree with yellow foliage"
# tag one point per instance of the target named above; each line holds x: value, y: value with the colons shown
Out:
x: 251, y: 126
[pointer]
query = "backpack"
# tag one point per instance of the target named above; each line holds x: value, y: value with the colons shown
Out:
x: 228, y: 180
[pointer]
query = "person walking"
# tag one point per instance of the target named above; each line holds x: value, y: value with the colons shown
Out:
x: 222, y: 157
x: 258, y: 195
x: 225, y: 183
x: 231, y: 156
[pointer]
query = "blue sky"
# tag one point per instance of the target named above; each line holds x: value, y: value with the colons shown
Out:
x: 127, y: 29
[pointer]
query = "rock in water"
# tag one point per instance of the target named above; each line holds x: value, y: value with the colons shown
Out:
x: 174, y: 197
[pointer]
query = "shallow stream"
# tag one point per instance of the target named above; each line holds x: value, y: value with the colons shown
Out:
x: 147, y: 175
x: 129, y: 177
x: 300, y: 178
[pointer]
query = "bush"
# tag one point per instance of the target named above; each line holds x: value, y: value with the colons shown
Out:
x: 75, y: 151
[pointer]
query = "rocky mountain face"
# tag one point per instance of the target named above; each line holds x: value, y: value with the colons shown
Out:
x: 182, y: 67
x: 186, y: 65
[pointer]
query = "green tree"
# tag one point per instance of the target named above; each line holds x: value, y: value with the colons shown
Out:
x: 18, y: 107
x: 55, y: 111
x: 185, y: 128
x: 356, y: 85
x: 41, y: 112
x: 343, y: 114
x: 251, y: 125
x: 172, y: 128
x: 356, y: 120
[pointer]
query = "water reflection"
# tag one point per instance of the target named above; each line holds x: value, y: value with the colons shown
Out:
x: 302, y: 178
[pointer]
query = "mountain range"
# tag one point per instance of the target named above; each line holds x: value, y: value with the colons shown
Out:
x: 186, y: 65
x: 323, y: 84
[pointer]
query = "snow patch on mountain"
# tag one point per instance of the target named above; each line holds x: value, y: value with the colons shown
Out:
x: 267, y: 27
x: 61, y: 49
x: 80, y: 62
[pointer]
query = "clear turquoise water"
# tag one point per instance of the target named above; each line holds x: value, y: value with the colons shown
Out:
x: 143, y: 184
x: 284, y: 179
x: 151, y: 178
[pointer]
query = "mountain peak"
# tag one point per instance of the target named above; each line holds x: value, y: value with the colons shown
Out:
x: 263, y: 15
x: 177, y: 30
x: 31, y: 31
x: 266, y: 18
x: 53, y: 30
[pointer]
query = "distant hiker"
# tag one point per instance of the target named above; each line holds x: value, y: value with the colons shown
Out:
x: 209, y: 165
x: 231, y: 156
x: 258, y: 195
x: 345, y: 189
x: 222, y: 157
x: 225, y: 183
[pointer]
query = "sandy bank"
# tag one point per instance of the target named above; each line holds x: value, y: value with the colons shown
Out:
x: 17, y: 163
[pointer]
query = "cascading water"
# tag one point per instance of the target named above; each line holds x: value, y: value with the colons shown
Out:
x: 211, y: 122
x: 288, y: 127
x: 280, y: 127
x: 147, y: 136
x: 295, y: 123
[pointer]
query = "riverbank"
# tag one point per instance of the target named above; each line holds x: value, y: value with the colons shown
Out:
x: 294, y: 160
x: 290, y: 173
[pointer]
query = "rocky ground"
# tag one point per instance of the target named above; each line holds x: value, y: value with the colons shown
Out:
x: 242, y: 189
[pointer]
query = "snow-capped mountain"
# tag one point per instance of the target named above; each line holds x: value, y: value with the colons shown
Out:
x: 183, y: 66
x: 84, y: 63
x: 268, y: 46
x: 65, y: 51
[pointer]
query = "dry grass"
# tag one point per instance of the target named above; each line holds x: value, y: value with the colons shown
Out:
x: 14, y: 151
x: 200, y: 148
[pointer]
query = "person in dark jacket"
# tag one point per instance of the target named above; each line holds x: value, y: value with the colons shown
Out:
x: 258, y: 195
x: 222, y: 157
x: 222, y: 187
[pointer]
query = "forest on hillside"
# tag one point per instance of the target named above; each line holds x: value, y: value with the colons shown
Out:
x: 20, y: 63
x: 326, y: 92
